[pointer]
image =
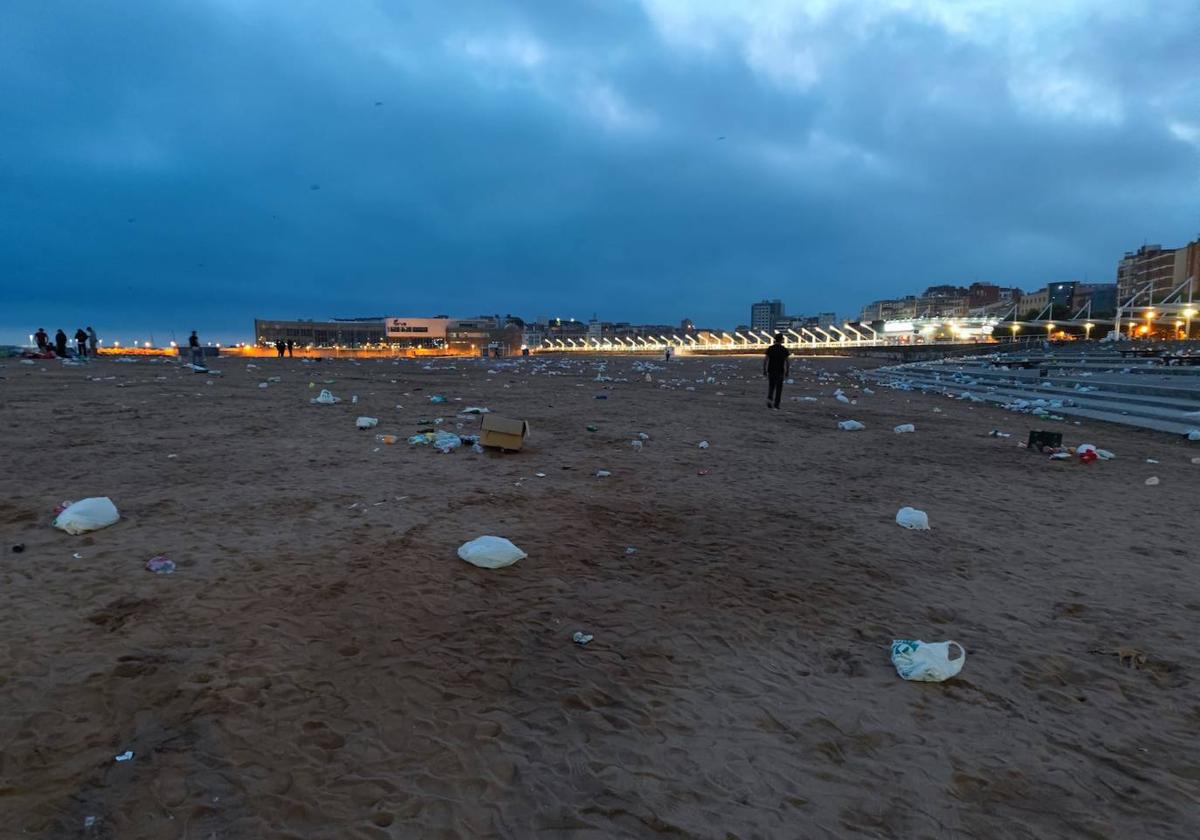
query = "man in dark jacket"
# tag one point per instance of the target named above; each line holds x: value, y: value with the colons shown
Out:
x: 60, y: 344
x: 776, y: 366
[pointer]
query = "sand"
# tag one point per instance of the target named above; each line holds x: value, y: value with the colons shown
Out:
x: 321, y: 665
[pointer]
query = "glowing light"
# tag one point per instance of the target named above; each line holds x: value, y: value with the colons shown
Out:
x: 1149, y: 314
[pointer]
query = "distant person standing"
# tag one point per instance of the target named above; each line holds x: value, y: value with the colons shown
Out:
x: 667, y: 355
x: 279, y: 347
x: 43, y: 340
x: 81, y: 343
x: 194, y: 347
x: 60, y: 344
x: 93, y: 340
x: 776, y: 366
x: 290, y: 345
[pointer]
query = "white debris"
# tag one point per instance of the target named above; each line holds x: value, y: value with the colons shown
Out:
x: 850, y: 426
x: 913, y: 519
x: 1152, y: 481
x: 904, y: 427
x: 366, y: 422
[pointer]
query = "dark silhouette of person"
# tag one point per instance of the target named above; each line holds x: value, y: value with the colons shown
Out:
x: 60, y: 344
x: 290, y: 345
x: 279, y: 347
x: 194, y: 347
x: 93, y: 340
x: 776, y: 366
x: 81, y: 343
x: 42, y: 338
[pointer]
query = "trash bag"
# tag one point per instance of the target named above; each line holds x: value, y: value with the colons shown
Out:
x: 913, y: 519
x: 851, y: 426
x: 445, y: 441
x: 367, y: 422
x: 926, y: 661
x: 87, y: 515
x: 420, y: 440
x: 904, y: 427
x: 490, y: 552
x: 325, y: 398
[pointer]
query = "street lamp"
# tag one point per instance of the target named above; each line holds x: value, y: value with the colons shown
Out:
x: 1049, y: 330
x: 1087, y: 328
x: 1015, y: 328
x: 1149, y: 319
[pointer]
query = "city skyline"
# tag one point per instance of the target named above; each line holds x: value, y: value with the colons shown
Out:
x: 202, y: 164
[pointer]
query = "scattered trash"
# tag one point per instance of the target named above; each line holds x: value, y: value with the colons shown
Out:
x: 89, y: 821
x: 850, y: 426
x: 996, y: 433
x: 580, y: 638
x: 446, y: 442
x: 325, y: 398
x: 476, y: 448
x: 160, y: 565
x: 540, y: 475
x: 630, y: 550
x: 354, y: 399
x: 913, y: 519
x: 636, y: 444
x: 388, y: 439
x: 490, y: 552
x: 904, y: 427
x: 367, y: 422
x: 1151, y: 460
x: 1060, y: 456
x: 603, y: 473
x: 437, y: 398
x: 87, y: 515
x: 421, y: 439
x: 703, y: 444
x: 18, y: 548
x: 926, y: 661
x: 1193, y: 434
x: 593, y: 428
x: 472, y: 409
x: 262, y: 385
x: 1152, y: 481
x: 125, y: 756
x: 703, y: 472
x: 643, y: 436
x: 1196, y: 460
x: 1104, y: 455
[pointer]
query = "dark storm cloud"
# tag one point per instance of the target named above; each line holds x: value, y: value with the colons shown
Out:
x: 170, y: 165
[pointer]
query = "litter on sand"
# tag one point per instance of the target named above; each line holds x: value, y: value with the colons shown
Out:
x: 703, y: 444
x: 913, y: 519
x: 904, y: 427
x: 850, y: 426
x: 580, y: 638
x: 366, y: 422
x: 926, y: 661
x: 160, y: 565
x: 325, y: 398
x: 603, y: 473
x: 87, y: 515
x: 489, y: 552
x: 125, y: 756
x: 1152, y: 481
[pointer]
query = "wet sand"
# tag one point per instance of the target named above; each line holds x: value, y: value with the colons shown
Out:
x: 321, y: 665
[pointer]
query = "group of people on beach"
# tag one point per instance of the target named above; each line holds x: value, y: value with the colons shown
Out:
x: 85, y: 342
x: 282, y: 346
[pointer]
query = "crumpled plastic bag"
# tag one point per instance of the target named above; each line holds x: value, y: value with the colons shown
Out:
x: 913, y: 519
x: 926, y: 661
x: 851, y: 426
x: 325, y: 398
x: 366, y: 422
x: 490, y: 552
x: 87, y: 515
x: 446, y: 441
x: 904, y: 427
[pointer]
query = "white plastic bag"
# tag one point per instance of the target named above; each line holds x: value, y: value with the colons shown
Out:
x: 325, y: 398
x: 87, y: 515
x: 446, y: 441
x: 851, y: 426
x: 366, y: 422
x: 904, y: 427
x: 490, y: 552
x: 916, y: 520
x: 926, y: 661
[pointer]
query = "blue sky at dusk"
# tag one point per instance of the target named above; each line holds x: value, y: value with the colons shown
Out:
x: 177, y: 165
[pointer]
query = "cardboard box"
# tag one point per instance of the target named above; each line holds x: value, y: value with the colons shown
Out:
x: 502, y: 433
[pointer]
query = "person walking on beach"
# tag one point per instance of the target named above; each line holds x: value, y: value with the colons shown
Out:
x: 60, y: 344
x: 93, y: 340
x: 290, y: 345
x: 776, y: 367
x: 279, y: 347
x: 194, y: 347
x: 81, y: 343
x: 43, y: 339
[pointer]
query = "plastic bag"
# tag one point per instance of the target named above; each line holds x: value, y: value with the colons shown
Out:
x: 87, y: 515
x: 926, y: 661
x: 325, y: 398
x: 904, y: 427
x: 851, y: 426
x: 366, y: 422
x: 490, y: 552
x: 916, y: 520
x: 445, y: 441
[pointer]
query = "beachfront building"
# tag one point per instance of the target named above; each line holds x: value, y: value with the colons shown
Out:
x: 354, y: 333
x: 765, y: 313
x: 1161, y: 269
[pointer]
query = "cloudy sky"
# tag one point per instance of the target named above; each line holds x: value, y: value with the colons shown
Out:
x: 176, y: 165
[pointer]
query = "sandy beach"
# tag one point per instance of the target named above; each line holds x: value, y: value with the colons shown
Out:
x: 322, y: 665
